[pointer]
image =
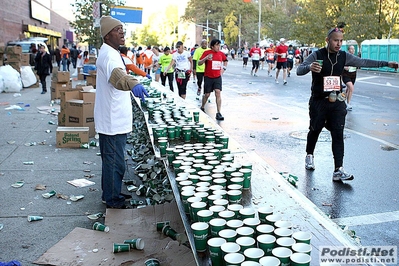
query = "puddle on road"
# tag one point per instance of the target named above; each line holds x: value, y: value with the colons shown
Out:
x: 387, y: 148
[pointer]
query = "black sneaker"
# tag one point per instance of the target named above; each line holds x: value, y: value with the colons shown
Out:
x: 340, y: 175
x: 202, y: 109
x: 219, y: 116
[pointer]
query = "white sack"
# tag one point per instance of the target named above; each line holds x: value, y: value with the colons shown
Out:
x: 27, y: 76
x: 12, y: 79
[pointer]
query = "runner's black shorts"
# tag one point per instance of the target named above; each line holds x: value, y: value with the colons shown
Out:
x: 210, y: 84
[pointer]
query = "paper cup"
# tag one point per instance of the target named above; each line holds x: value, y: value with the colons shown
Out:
x: 283, y: 224
x: 247, y: 213
x: 229, y: 234
x: 246, y: 242
x: 212, y: 198
x: 234, y: 224
x: 247, y: 177
x: 300, y: 259
x: 254, y: 254
x: 282, y: 232
x: 152, y: 262
x: 272, y: 218
x: 234, y: 259
x: 117, y: 247
x: 221, y: 202
x: 100, y: 227
x: 245, y: 231
x: 252, y: 222
x: 229, y: 247
x: 234, y: 187
x: 195, y: 208
x: 200, y: 233
x: 136, y: 243
x: 235, y: 208
x: 283, y: 254
x: 234, y: 196
x: 267, y: 243
x: 190, y: 201
x: 285, y: 242
x: 161, y: 225
x: 185, y: 195
x: 263, y: 212
x: 301, y: 248
x: 205, y: 216
x: 215, y: 251
x: 216, y: 209
x: 227, y: 215
x: 264, y: 229
x: 269, y: 261
x: 250, y: 263
x: 216, y: 225
x: 302, y: 237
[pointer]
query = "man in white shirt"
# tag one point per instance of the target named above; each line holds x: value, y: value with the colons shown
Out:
x: 113, y: 110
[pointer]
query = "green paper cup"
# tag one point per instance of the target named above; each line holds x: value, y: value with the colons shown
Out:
x: 100, y: 227
x: 283, y: 224
x: 245, y: 243
x: 224, y: 140
x: 221, y: 202
x: 302, y: 237
x: 190, y: 201
x: 196, y: 115
x: 235, y: 208
x: 283, y: 254
x: 136, y: 243
x: 161, y: 225
x: 152, y: 262
x: 186, y: 134
x: 216, y: 225
x: 32, y: 218
x: 118, y: 247
x: 301, y: 248
x: 300, y: 259
x: 234, y: 196
x: 234, y: 259
x: 234, y: 224
x: 285, y: 242
x: 216, y: 209
x: 272, y: 218
x: 263, y: 212
x: 200, y: 233
x: 247, y: 213
x: 282, y: 232
x: 320, y: 62
x: 212, y: 198
x: 267, y: 243
x: 229, y: 247
x: 254, y: 254
x: 264, y: 229
x: 269, y: 261
x: 205, y: 216
x: 167, y: 230
x: 247, y: 177
x: 171, y: 132
x: 215, y: 251
x: 251, y: 222
x: 195, y: 208
x: 227, y: 215
x: 185, y: 195
x: 229, y: 234
x: 245, y: 231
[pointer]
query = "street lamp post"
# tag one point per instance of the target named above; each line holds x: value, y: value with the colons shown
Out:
x: 260, y: 17
x: 207, y: 25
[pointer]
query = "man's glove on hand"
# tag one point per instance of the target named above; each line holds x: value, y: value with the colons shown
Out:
x: 139, y: 91
x: 148, y: 76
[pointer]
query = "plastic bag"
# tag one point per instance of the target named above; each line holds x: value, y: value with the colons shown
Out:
x: 27, y: 76
x: 12, y: 79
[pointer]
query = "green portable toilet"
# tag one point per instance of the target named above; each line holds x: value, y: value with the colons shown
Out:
x: 385, y: 50
x: 345, y: 45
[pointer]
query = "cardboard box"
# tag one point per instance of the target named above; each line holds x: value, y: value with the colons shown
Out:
x: 2, y: 48
x: 67, y: 95
x: 25, y: 59
x: 80, y: 114
x: 81, y: 76
x: 62, y: 76
x: 13, y: 58
x: 14, y: 50
x: 57, y: 87
x: 91, y: 80
x: 72, y: 137
x: 87, y: 94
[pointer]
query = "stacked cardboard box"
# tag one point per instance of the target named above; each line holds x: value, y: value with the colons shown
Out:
x: 2, y: 51
x: 14, y: 57
x: 91, y: 78
x: 80, y: 73
x: 60, y: 81
x: 77, y: 108
x: 72, y: 137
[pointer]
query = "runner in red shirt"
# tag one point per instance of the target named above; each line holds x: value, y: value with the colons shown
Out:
x: 215, y: 64
x: 281, y: 52
x: 255, y: 54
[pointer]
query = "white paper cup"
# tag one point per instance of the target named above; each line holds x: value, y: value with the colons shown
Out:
x: 216, y: 209
x: 300, y: 259
x: 302, y: 248
x: 267, y: 243
x: 247, y: 213
x: 245, y: 231
x: 282, y: 232
x: 254, y: 254
x: 285, y: 242
x: 302, y: 237
x: 250, y: 263
x: 227, y: 215
x: 229, y: 234
x: 264, y: 229
x: 216, y: 225
x: 283, y: 224
x: 204, y: 216
x: 234, y: 224
x: 222, y: 202
x: 229, y: 247
x: 263, y: 212
x: 252, y: 222
x: 234, y: 259
x: 215, y: 251
x: 272, y: 218
x: 269, y: 261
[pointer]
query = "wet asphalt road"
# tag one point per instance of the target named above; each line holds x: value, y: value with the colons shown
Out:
x: 272, y: 120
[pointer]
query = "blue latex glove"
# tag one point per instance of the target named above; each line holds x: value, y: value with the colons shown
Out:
x: 139, y: 91
x: 148, y: 76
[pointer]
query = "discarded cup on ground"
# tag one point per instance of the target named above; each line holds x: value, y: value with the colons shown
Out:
x: 152, y: 262
x: 49, y: 194
x: 118, y: 247
x: 18, y: 184
x: 160, y: 225
x: 32, y: 218
x: 136, y: 243
x: 95, y: 216
x: 100, y: 227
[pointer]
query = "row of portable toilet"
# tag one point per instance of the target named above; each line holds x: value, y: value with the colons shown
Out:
x: 384, y: 50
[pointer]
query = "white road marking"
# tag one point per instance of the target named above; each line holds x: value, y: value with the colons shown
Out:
x: 367, y: 219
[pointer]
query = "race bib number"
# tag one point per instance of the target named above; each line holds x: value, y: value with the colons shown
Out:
x: 255, y: 57
x: 352, y: 69
x: 181, y: 75
x: 332, y: 83
x: 216, y: 65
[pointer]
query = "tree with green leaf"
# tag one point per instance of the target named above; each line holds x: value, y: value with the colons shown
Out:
x: 231, y: 29
x: 84, y: 22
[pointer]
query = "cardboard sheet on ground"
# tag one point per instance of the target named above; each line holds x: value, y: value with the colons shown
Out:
x: 77, y: 247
